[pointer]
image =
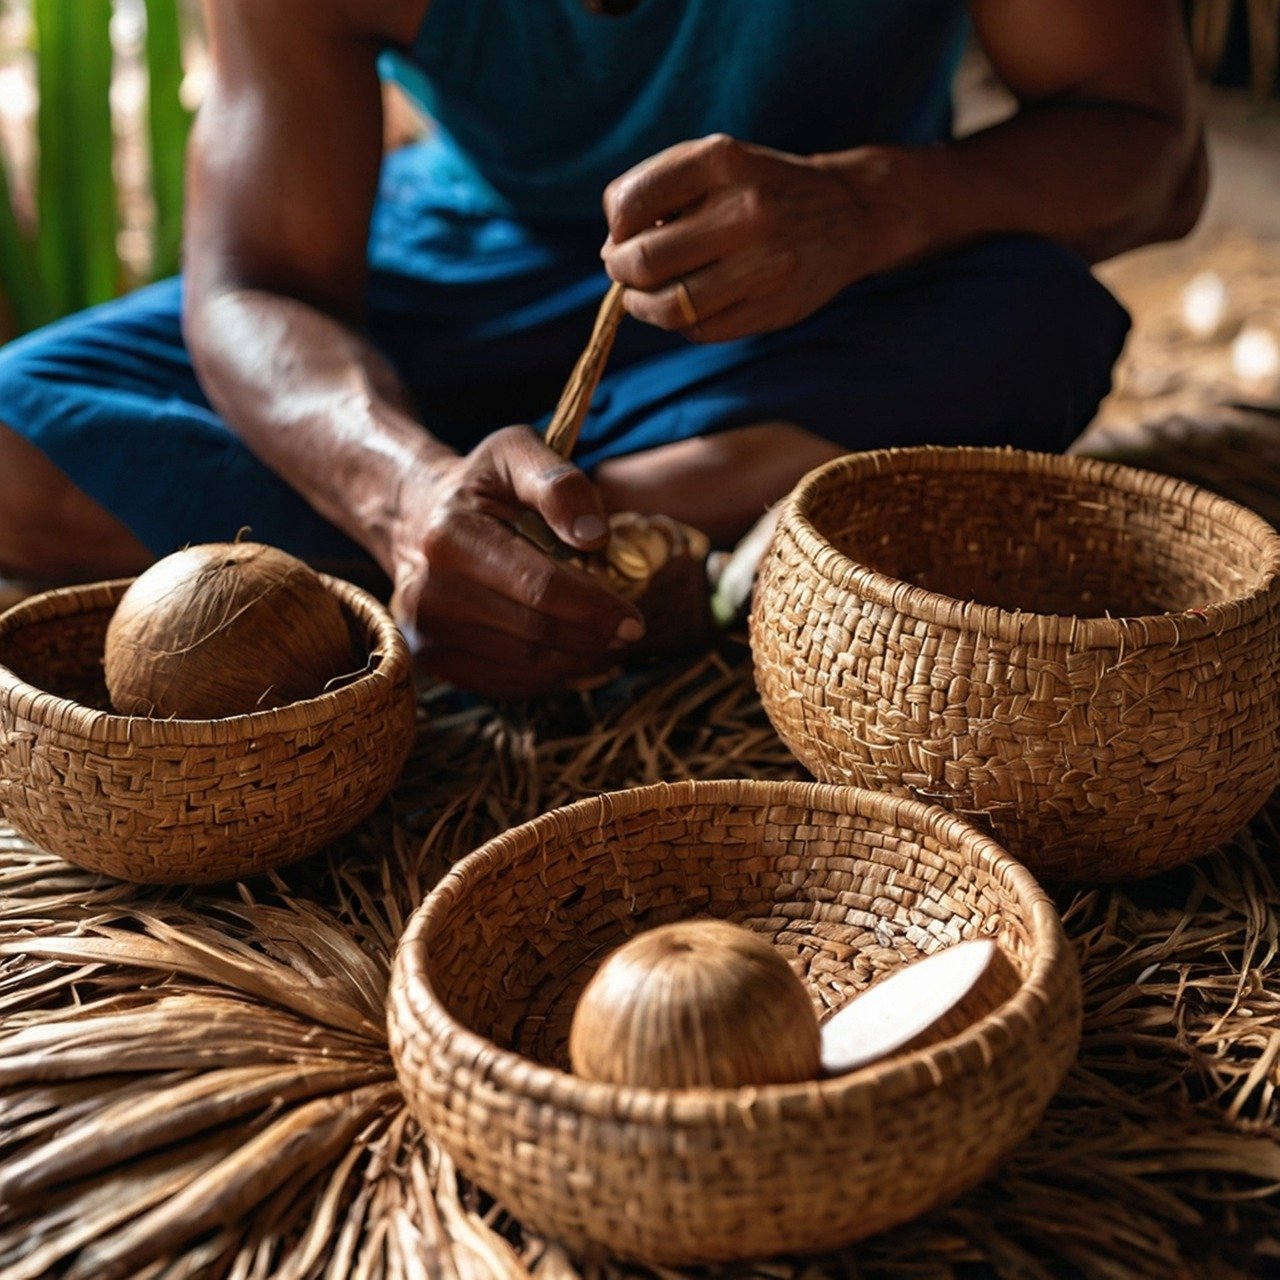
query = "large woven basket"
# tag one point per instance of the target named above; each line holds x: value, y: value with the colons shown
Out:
x: 1080, y: 656
x: 188, y: 800
x: 847, y: 884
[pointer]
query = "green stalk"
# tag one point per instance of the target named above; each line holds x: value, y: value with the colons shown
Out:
x: 56, y: 250
x: 79, y: 217
x: 170, y: 123
x: 20, y: 294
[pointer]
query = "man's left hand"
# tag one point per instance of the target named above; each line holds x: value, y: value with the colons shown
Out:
x: 720, y: 239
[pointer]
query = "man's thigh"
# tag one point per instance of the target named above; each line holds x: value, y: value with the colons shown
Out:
x: 1007, y: 343
x: 110, y: 398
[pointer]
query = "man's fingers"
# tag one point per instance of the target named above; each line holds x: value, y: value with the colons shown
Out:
x: 477, y: 548
x: 724, y: 224
x: 669, y: 182
x: 659, y: 255
x: 490, y: 663
x: 743, y: 320
x: 454, y: 605
x: 538, y: 478
x: 747, y: 278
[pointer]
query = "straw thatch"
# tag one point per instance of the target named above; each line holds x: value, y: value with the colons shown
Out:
x: 197, y: 1084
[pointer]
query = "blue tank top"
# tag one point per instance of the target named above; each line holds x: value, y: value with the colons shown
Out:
x: 539, y: 104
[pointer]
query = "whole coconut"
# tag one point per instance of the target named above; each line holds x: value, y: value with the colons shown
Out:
x: 224, y: 629
x: 701, y: 1003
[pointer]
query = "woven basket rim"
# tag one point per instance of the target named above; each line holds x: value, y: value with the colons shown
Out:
x: 367, y: 689
x: 896, y: 1077
x: 847, y: 574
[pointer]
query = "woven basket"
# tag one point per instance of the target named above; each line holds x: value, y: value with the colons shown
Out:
x: 848, y: 884
x: 1081, y: 657
x: 188, y: 800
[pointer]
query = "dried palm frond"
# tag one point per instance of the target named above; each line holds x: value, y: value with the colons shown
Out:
x: 197, y: 1084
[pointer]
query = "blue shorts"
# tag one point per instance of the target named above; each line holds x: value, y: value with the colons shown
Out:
x: 1010, y: 342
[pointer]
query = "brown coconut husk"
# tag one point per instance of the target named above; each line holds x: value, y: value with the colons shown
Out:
x: 224, y: 629
x: 692, y: 1004
x: 197, y: 1083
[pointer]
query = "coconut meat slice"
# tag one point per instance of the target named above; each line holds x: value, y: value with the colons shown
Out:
x: 920, y: 1004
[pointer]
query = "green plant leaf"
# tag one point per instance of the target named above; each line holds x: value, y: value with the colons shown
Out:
x: 20, y: 294
x: 170, y: 123
x: 79, y: 217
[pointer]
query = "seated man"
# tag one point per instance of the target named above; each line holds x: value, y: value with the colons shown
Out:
x: 814, y: 264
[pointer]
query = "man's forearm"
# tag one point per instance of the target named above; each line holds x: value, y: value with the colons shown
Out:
x: 1098, y: 179
x: 315, y: 402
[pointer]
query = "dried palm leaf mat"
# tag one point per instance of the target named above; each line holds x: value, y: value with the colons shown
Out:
x: 198, y: 1084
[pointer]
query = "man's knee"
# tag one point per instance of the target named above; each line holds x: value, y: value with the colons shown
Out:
x: 1069, y: 298
x: 1060, y: 330
x: 29, y: 500
x: 22, y: 499
x: 30, y: 391
x: 49, y: 529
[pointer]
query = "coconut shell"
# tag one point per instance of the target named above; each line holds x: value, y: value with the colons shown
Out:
x: 701, y: 1003
x: 639, y: 548
x: 224, y: 629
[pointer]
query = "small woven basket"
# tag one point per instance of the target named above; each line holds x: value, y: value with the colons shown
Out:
x: 848, y: 885
x: 188, y: 800
x: 1081, y: 657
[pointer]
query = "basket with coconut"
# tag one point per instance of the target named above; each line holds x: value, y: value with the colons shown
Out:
x: 639, y: 1021
x: 225, y: 713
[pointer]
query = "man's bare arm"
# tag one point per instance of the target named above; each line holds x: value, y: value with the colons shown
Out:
x: 283, y: 173
x: 1105, y: 154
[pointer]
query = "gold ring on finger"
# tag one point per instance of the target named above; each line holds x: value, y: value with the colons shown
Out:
x: 687, y: 309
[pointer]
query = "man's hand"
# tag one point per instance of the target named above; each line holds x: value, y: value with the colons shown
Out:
x: 491, y: 612
x: 719, y: 239
x: 754, y: 239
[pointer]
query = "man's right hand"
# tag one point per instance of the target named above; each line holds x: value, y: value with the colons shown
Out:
x: 284, y: 169
x: 488, y: 610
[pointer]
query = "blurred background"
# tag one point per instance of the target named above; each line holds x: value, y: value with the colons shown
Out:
x: 96, y: 99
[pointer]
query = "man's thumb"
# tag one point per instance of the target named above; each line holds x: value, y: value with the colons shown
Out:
x: 558, y: 491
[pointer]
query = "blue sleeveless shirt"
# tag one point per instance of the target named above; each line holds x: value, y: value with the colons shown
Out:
x: 539, y: 104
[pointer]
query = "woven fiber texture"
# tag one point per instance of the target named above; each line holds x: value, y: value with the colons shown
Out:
x: 1081, y: 657
x: 177, y: 1067
x: 490, y: 967
x: 188, y: 800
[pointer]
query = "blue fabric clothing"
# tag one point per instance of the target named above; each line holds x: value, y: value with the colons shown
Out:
x: 485, y: 270
x: 1010, y: 342
x: 541, y: 103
